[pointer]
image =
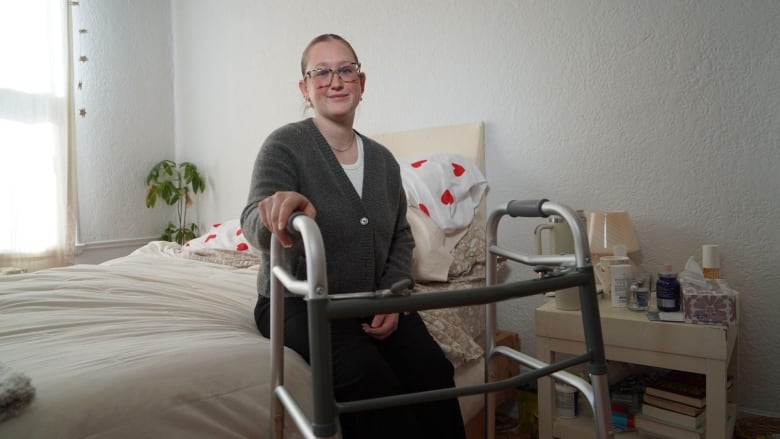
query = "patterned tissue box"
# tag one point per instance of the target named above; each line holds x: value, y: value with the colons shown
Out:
x: 711, y: 304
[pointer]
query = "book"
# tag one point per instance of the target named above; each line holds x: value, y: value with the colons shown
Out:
x: 673, y: 405
x: 685, y: 387
x: 647, y: 426
x: 672, y: 417
x: 659, y: 429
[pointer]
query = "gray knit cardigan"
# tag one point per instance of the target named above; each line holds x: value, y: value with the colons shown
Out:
x: 368, y: 242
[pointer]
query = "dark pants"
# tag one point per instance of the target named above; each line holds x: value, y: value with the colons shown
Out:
x: 407, y: 361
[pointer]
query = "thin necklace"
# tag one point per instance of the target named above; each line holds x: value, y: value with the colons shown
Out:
x: 351, y: 144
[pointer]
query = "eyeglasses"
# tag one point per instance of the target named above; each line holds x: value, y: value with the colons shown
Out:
x: 323, y: 76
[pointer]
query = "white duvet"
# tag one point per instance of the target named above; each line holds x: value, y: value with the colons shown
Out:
x: 141, y: 346
x: 156, y: 345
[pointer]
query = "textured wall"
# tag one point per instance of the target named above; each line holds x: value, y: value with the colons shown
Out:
x: 128, y: 95
x: 667, y: 109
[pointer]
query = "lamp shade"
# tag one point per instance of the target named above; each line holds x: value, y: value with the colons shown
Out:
x: 609, y: 229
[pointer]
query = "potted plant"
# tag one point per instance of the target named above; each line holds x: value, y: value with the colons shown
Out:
x: 174, y: 183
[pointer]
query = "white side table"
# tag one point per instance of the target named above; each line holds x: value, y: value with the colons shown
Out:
x: 631, y: 338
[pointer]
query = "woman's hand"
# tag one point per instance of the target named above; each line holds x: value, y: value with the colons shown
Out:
x: 275, y: 211
x: 382, y: 325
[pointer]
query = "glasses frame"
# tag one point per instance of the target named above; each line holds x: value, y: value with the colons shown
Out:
x: 331, y: 72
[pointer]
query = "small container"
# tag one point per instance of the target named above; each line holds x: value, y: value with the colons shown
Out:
x: 640, y: 292
x: 566, y: 401
x: 710, y: 261
x: 667, y: 290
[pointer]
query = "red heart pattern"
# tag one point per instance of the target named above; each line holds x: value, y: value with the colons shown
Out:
x: 226, y: 235
x: 445, y: 187
x: 458, y: 170
x: 447, y: 198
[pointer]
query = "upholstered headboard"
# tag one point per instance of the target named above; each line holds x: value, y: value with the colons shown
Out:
x: 464, y: 139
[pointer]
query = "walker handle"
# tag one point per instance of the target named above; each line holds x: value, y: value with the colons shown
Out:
x: 291, y: 230
x: 526, y: 208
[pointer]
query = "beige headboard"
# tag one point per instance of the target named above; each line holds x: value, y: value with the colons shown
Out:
x: 464, y: 139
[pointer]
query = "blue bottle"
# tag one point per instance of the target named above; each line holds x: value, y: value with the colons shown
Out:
x: 667, y: 290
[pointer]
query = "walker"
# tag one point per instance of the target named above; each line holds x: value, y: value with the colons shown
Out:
x: 556, y: 273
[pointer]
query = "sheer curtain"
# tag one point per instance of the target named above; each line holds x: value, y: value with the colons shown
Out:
x: 37, y: 225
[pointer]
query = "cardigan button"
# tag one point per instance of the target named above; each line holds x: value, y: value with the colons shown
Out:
x: 364, y: 221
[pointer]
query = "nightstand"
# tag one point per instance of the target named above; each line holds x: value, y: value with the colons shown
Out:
x: 631, y: 338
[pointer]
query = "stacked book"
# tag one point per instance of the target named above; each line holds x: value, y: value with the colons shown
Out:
x: 673, y: 406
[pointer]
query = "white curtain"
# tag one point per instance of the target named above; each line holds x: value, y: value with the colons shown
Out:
x: 37, y: 225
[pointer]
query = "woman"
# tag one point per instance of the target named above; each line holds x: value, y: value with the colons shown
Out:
x: 352, y: 187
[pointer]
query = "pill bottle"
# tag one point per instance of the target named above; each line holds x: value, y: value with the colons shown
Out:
x: 566, y: 401
x: 667, y: 290
x: 710, y: 261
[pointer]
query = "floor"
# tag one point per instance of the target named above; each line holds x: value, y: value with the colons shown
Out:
x: 510, y: 428
x: 514, y: 435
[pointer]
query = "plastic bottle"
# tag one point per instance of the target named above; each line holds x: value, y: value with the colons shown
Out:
x: 710, y: 261
x: 667, y: 290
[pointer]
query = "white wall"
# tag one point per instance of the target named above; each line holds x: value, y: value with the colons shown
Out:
x: 667, y: 109
x: 127, y: 92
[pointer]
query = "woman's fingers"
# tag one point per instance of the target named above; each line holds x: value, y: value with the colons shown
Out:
x: 275, y: 212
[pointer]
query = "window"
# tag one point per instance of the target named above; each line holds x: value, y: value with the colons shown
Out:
x: 36, y: 223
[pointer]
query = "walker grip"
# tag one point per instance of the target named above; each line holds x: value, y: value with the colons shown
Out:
x: 526, y: 208
x: 291, y: 230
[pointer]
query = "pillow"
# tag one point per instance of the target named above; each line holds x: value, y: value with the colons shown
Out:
x: 469, y: 254
x: 447, y: 187
x: 222, y: 236
x: 431, y: 258
x: 222, y: 257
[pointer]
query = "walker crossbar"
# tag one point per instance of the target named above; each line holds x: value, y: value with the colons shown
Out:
x: 322, y: 309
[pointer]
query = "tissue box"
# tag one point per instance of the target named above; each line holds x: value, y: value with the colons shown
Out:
x: 710, y: 303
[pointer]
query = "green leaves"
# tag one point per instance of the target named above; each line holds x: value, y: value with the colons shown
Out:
x: 180, y: 234
x: 173, y: 183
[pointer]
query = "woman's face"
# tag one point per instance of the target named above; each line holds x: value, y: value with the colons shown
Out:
x: 336, y: 101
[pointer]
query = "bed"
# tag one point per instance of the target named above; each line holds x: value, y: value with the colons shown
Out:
x: 162, y: 342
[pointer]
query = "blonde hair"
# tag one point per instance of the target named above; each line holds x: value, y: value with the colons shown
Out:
x: 319, y: 39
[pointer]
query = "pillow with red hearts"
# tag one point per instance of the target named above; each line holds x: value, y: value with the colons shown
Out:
x: 446, y: 187
x: 225, y: 236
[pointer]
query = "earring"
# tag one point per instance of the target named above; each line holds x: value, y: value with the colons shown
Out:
x: 308, y: 103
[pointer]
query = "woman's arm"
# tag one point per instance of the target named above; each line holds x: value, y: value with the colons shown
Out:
x: 275, y: 171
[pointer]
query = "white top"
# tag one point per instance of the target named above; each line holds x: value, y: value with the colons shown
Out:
x: 355, y: 170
